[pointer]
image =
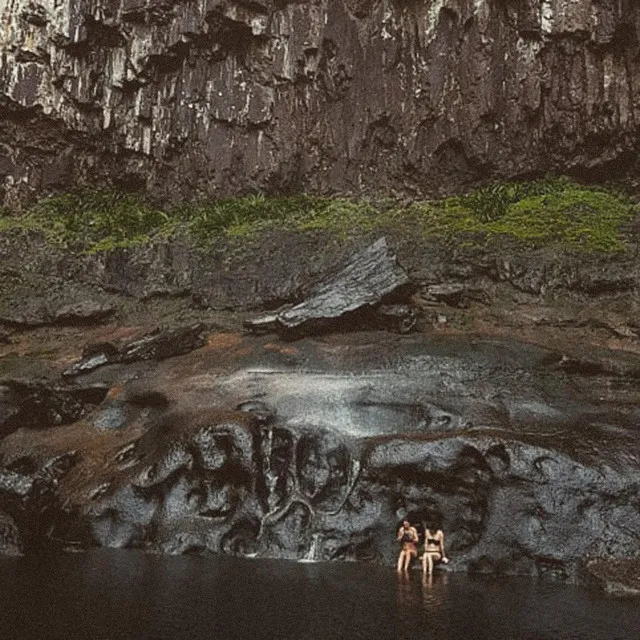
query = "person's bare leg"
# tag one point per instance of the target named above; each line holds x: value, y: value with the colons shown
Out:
x: 400, y: 561
x: 427, y: 580
x: 429, y: 563
x: 407, y: 560
x: 423, y: 560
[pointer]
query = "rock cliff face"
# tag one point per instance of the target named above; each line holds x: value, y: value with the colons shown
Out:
x: 509, y: 414
x: 316, y: 449
x: 213, y: 97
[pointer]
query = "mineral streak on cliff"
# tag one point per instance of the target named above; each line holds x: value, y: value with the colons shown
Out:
x: 220, y: 96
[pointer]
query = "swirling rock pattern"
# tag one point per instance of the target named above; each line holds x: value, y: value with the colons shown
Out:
x: 216, y: 97
x: 315, y: 449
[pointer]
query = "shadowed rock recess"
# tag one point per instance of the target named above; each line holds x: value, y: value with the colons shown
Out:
x: 214, y: 97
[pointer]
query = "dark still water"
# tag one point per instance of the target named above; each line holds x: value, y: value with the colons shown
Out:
x: 113, y: 595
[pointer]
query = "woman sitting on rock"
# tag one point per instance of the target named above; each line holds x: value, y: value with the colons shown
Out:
x: 433, y: 550
x: 408, y: 536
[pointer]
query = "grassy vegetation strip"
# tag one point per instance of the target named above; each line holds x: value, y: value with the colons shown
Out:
x: 555, y: 212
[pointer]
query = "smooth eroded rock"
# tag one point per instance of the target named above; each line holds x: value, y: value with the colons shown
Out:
x: 316, y: 449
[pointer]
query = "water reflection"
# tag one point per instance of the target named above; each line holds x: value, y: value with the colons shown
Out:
x: 435, y: 601
x: 434, y: 587
x: 406, y: 596
x: 125, y: 596
x: 428, y: 591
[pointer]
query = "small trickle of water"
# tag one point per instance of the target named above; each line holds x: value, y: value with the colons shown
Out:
x: 315, y: 549
x: 270, y: 476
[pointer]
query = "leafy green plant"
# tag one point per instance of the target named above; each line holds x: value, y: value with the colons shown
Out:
x: 580, y: 218
x: 491, y: 202
x: 86, y: 219
x: 245, y: 216
x: 240, y: 216
x: 555, y: 212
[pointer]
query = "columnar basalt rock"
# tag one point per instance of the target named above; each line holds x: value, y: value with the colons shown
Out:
x: 211, y: 97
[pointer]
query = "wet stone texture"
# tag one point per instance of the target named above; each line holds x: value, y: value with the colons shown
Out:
x: 29, y: 503
x: 212, y: 97
x: 9, y: 536
x: 39, y: 405
x: 316, y: 449
x: 619, y: 577
x: 351, y: 297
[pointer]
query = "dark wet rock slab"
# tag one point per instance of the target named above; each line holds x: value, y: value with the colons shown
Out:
x: 315, y: 449
x: 616, y: 576
x: 39, y: 405
x: 15, y: 490
x: 29, y: 504
x: 163, y: 344
x: 157, y: 345
x: 367, y: 279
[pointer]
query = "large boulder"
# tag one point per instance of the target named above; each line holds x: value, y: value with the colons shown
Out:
x: 347, y: 298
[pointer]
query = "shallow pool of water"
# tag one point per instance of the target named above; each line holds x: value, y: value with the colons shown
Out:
x: 113, y: 595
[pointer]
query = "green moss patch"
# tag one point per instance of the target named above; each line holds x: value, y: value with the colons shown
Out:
x: 90, y: 221
x: 547, y: 213
x: 555, y: 212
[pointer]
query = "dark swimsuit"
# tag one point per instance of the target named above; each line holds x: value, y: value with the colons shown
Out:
x: 431, y: 541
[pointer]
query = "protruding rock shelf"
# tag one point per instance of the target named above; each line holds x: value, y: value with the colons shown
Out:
x: 350, y: 297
